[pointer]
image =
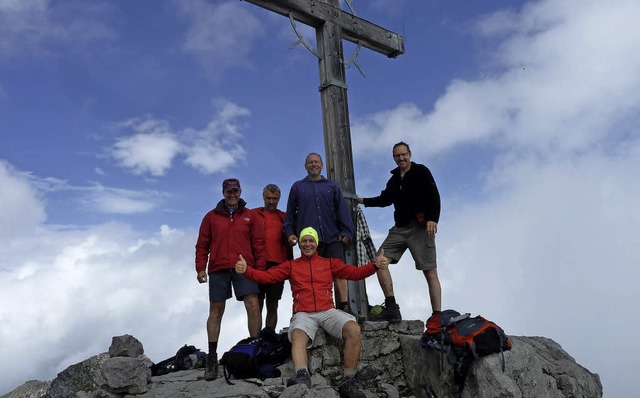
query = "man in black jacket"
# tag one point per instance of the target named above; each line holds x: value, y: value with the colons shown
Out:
x: 416, y: 200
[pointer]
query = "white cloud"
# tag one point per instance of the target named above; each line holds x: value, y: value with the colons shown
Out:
x: 34, y: 27
x: 154, y: 144
x: 563, y: 75
x: 150, y: 150
x: 220, y: 35
x: 218, y: 146
x: 546, y: 245
x: 22, y: 207
x: 85, y: 285
x: 120, y: 201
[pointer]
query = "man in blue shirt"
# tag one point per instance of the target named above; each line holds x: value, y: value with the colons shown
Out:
x: 318, y: 202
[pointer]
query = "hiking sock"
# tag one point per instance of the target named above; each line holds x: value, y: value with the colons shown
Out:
x: 300, y: 368
x: 390, y: 301
x: 436, y: 312
x: 343, y: 304
x: 348, y: 373
x: 213, y: 347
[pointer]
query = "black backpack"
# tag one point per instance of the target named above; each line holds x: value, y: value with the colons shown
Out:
x: 187, y: 357
x: 256, y: 357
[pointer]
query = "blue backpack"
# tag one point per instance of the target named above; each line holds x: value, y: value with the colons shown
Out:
x: 256, y: 357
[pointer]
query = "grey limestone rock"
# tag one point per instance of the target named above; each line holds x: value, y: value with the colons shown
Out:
x: 393, y: 365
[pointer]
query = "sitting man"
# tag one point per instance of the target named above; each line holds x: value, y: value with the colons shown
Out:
x: 311, y: 278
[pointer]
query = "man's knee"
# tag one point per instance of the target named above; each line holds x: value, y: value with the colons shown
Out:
x: 351, y: 331
x: 431, y: 274
x: 216, y: 309
x: 251, y: 302
x: 299, y: 336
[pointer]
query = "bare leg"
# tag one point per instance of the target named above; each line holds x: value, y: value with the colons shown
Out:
x: 299, y: 342
x: 254, y: 316
x: 435, y: 290
x: 271, y: 319
x: 216, y: 310
x: 386, y: 283
x: 352, y: 346
x: 342, y: 289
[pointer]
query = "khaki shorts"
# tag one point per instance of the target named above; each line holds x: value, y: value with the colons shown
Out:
x: 413, y: 237
x: 331, y: 320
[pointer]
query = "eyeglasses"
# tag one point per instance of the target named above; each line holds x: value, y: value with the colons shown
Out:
x: 401, y: 155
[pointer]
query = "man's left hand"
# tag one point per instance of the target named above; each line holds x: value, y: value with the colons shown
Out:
x: 344, y: 240
x: 432, y: 228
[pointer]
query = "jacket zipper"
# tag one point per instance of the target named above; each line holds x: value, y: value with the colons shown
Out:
x: 313, y: 290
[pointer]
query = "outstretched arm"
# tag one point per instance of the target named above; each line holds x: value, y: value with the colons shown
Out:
x: 275, y: 274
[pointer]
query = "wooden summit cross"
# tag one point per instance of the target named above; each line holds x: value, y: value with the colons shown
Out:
x: 332, y: 25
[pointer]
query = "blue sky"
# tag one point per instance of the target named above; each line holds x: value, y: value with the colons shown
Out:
x: 119, y: 120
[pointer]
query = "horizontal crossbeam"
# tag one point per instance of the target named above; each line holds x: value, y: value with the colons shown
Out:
x: 354, y: 29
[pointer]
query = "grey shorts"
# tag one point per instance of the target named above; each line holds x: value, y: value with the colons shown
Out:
x: 413, y: 237
x: 220, y: 283
x: 331, y: 250
x: 331, y: 320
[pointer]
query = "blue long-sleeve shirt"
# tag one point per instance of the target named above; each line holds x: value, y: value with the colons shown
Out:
x: 318, y: 204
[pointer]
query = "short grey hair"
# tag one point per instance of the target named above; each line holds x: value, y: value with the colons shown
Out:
x: 273, y: 188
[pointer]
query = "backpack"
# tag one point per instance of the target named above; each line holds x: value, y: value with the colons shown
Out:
x: 256, y: 357
x: 467, y: 337
x: 187, y: 357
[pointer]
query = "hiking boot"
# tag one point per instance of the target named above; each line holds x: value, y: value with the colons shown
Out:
x: 433, y: 324
x: 389, y: 314
x: 350, y: 389
x: 301, y: 377
x: 211, y: 372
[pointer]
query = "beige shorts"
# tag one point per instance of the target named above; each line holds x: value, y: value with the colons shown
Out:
x: 331, y: 320
x: 415, y: 238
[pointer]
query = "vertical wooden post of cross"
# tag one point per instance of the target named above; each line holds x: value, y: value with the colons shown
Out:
x: 332, y: 25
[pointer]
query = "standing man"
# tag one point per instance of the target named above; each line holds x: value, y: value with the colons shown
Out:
x: 277, y: 247
x: 416, y: 201
x: 226, y: 231
x: 311, y: 277
x: 318, y: 202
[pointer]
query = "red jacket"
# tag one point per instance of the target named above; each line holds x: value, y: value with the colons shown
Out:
x: 277, y: 247
x: 224, y: 236
x: 311, y: 279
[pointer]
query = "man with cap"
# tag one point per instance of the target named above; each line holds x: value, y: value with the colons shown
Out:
x: 226, y: 231
x: 311, y: 278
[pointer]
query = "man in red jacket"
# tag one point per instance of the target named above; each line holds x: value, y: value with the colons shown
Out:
x: 277, y: 250
x: 311, y: 278
x: 226, y: 231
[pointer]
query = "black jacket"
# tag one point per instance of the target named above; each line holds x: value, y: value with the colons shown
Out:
x: 415, y: 197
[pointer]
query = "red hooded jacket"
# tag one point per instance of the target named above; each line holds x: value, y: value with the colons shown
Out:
x: 311, y: 279
x: 224, y: 236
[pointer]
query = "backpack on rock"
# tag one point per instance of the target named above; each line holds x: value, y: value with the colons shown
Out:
x: 187, y: 357
x: 257, y: 357
x: 468, y: 337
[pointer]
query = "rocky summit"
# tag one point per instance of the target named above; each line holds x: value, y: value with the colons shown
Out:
x: 393, y: 364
